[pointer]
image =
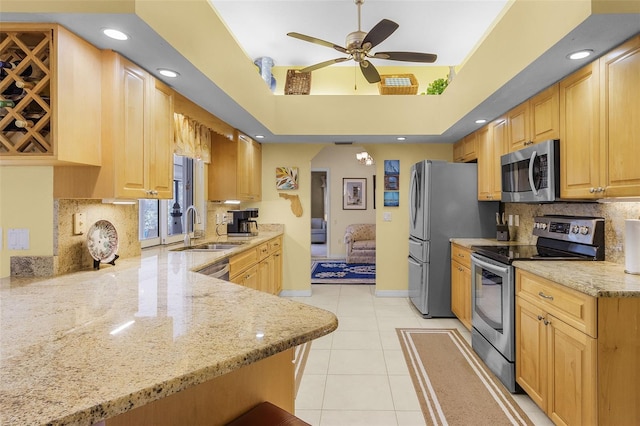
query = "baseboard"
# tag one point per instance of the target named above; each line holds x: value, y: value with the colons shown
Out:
x: 295, y: 293
x: 392, y: 293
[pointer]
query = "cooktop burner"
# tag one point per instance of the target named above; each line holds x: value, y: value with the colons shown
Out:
x: 559, y: 238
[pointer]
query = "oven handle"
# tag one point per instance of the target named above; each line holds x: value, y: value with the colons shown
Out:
x: 531, y: 183
x: 490, y: 266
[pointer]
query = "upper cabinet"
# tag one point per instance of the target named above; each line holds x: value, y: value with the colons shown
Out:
x: 491, y: 146
x: 137, y: 139
x: 599, y: 112
x: 53, y: 79
x: 466, y: 149
x: 535, y: 120
x: 236, y: 172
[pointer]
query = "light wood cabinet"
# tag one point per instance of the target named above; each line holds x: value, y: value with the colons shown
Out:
x: 491, y: 141
x: 580, y: 150
x: 535, y: 120
x: 576, y: 357
x: 57, y: 69
x: 599, y: 127
x: 461, y: 284
x: 137, y: 139
x: 620, y: 129
x: 466, y: 150
x: 259, y: 268
x: 237, y: 170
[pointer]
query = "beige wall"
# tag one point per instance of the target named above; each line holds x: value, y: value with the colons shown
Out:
x: 392, y: 237
x: 26, y: 201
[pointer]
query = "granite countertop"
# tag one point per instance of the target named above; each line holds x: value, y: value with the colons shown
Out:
x: 598, y: 279
x: 78, y: 348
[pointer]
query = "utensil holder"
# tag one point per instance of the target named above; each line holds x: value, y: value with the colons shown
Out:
x: 502, y: 233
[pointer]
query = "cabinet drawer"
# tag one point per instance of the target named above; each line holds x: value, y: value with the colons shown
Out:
x: 461, y: 255
x: 575, y: 308
x: 242, y: 261
x: 263, y: 251
x: 275, y: 244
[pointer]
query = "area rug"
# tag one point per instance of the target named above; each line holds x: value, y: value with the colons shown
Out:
x: 453, y: 385
x: 340, y: 272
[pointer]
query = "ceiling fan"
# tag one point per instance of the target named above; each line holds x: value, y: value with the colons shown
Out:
x: 359, y: 45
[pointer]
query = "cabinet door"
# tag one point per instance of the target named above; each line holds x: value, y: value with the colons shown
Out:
x: 248, y: 278
x: 531, y: 351
x: 499, y: 133
x: 470, y: 147
x: 620, y: 85
x: 249, y: 179
x: 518, y: 119
x: 580, y: 149
x: 485, y: 163
x: 461, y: 293
x: 571, y: 375
x: 458, y: 151
x: 277, y: 272
x: 223, y: 168
x: 265, y: 275
x: 544, y: 109
x: 129, y: 153
x: 160, y: 141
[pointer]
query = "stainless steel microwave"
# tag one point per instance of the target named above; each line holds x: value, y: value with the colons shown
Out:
x: 532, y: 174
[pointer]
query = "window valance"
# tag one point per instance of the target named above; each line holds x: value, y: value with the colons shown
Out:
x: 191, y: 138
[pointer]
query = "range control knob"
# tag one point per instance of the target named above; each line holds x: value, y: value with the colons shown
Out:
x: 584, y: 230
x: 543, y: 225
x: 575, y: 229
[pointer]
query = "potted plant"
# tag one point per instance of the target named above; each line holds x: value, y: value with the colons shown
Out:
x: 437, y: 86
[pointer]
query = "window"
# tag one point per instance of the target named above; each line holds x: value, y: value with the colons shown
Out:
x: 164, y: 221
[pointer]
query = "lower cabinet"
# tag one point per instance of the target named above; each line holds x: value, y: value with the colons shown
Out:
x: 461, y: 284
x: 259, y: 268
x: 575, y: 357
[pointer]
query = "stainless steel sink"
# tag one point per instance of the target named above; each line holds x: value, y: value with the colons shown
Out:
x: 210, y: 247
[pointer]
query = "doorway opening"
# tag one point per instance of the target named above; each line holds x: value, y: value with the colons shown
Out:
x: 320, y: 213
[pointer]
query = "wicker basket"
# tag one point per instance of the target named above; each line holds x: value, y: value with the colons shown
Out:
x: 298, y: 83
x: 398, y: 84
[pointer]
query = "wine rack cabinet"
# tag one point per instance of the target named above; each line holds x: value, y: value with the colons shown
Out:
x: 51, y: 79
x: 25, y: 81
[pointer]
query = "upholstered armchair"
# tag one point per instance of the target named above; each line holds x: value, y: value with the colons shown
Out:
x: 318, y: 230
x: 360, y: 241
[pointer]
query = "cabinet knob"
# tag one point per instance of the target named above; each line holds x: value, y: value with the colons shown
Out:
x: 539, y: 317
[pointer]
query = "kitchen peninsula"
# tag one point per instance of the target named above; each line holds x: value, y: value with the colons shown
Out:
x: 147, y: 337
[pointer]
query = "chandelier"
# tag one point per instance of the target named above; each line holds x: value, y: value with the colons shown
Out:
x: 364, y: 158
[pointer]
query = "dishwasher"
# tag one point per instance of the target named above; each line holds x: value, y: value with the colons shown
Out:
x: 219, y: 269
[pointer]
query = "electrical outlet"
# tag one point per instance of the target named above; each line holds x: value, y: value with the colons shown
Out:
x: 516, y: 220
x: 79, y: 223
x: 386, y: 216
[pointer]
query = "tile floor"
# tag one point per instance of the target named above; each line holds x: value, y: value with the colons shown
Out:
x: 357, y: 374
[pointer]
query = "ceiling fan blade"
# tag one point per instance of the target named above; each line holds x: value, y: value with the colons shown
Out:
x: 318, y: 41
x: 406, y: 56
x: 323, y: 64
x: 379, y: 33
x: 370, y: 72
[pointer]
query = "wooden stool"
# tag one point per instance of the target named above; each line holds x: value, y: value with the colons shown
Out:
x: 267, y: 414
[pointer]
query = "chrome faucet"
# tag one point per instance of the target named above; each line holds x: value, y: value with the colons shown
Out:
x: 187, y: 237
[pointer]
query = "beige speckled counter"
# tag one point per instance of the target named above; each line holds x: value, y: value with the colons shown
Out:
x: 599, y: 279
x: 78, y: 348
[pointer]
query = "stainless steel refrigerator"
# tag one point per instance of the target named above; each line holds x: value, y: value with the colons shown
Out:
x: 443, y: 203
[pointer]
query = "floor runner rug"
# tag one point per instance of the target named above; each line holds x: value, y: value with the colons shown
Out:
x: 453, y: 385
x: 340, y: 272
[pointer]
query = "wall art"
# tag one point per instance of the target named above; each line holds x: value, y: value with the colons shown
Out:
x: 286, y: 178
x: 354, y: 194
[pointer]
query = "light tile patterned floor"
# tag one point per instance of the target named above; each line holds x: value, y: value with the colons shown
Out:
x: 357, y: 374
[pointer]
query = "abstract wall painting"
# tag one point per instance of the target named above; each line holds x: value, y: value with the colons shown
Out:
x: 286, y: 178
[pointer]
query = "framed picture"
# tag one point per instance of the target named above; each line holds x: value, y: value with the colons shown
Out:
x: 286, y: 178
x: 391, y: 198
x: 354, y: 194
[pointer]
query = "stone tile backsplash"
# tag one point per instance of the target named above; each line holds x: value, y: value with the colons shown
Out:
x: 614, y: 213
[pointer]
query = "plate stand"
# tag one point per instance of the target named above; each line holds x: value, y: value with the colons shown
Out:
x: 96, y: 263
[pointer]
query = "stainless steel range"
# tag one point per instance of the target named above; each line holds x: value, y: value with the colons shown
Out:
x: 493, y: 283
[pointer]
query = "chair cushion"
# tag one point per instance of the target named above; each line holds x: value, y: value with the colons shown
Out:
x: 364, y: 245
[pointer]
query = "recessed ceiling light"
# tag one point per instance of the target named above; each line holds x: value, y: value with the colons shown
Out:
x: 168, y: 73
x: 481, y: 121
x: 259, y: 136
x: 581, y: 54
x: 115, y: 34
x: 401, y: 138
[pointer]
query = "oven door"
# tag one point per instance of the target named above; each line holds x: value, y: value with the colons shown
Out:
x: 493, y: 303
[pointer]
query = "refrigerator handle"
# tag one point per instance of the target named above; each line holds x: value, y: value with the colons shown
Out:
x: 413, y: 194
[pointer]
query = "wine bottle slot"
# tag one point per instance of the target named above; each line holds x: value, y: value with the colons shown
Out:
x: 24, y: 123
x: 5, y: 103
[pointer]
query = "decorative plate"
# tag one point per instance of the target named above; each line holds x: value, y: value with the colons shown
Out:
x: 102, y: 241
